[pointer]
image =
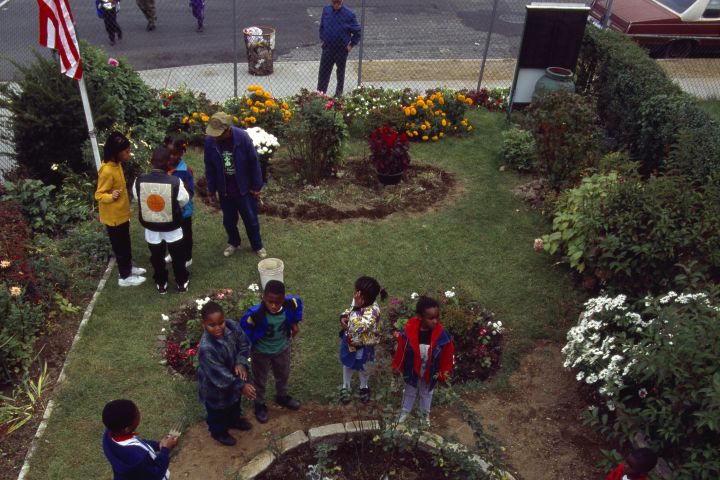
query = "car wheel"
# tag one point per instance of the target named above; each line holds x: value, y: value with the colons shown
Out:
x: 679, y: 49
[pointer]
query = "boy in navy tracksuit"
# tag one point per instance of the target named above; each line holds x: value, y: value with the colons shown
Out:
x: 270, y: 325
x: 131, y: 457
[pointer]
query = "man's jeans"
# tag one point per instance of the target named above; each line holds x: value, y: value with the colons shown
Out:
x: 246, y: 206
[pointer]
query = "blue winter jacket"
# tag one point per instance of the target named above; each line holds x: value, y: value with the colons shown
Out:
x: 248, y: 173
x: 185, y: 173
x: 136, y: 459
x: 337, y: 29
x: 255, y: 323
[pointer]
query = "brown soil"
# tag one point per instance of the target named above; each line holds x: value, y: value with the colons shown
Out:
x: 538, y: 422
x: 354, y: 192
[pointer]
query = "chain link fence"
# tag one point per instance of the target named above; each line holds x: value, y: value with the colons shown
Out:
x: 414, y: 44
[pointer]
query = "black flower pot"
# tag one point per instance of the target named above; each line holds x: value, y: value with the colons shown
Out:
x: 391, y: 179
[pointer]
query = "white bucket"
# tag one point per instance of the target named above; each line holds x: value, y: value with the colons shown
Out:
x: 270, y: 269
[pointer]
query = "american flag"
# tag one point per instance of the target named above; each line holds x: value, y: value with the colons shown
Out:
x: 57, y: 31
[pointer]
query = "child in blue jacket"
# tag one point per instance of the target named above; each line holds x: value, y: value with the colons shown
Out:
x: 130, y: 456
x: 178, y: 168
x: 270, y: 325
x: 108, y: 10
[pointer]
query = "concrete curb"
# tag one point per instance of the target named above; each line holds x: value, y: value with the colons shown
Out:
x: 51, y: 404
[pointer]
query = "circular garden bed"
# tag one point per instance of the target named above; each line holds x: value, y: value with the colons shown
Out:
x: 354, y: 192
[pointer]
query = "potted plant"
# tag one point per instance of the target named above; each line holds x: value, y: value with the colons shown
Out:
x: 390, y: 154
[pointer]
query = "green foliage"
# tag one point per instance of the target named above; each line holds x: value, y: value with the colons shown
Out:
x: 367, y: 108
x: 619, y: 162
x: 316, y: 138
x: 696, y: 153
x: 179, y: 105
x: 27, y: 399
x: 43, y: 212
x: 621, y: 77
x: 661, y: 117
x: 88, y: 243
x: 519, y: 150
x: 564, y: 126
x: 20, y: 321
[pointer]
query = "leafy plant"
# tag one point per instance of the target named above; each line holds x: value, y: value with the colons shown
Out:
x: 19, y: 409
x: 42, y: 211
x: 564, y: 128
x: 19, y: 324
x: 389, y: 151
x: 258, y: 108
x: 519, y: 150
x: 696, y: 153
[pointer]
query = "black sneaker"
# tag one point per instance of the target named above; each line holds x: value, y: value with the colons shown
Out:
x: 365, y: 395
x: 288, y: 402
x: 225, y: 438
x: 150, y: 27
x: 241, y: 424
x: 345, y: 397
x: 261, y: 412
x: 162, y: 289
x: 183, y: 287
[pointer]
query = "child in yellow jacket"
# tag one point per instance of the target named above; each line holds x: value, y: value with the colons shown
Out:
x: 114, y: 205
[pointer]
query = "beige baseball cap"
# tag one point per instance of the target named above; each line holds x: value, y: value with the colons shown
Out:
x: 218, y: 123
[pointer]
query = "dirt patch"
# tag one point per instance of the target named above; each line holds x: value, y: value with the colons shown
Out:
x: 354, y: 192
x: 538, y: 422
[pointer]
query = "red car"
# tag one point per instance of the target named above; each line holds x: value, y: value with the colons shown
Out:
x: 668, y: 28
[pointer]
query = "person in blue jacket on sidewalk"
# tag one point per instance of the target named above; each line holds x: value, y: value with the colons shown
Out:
x: 232, y: 169
x: 339, y: 33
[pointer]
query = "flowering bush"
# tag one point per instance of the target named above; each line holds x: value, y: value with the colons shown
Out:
x: 494, y: 99
x: 182, y: 105
x: 477, y: 334
x: 20, y: 321
x: 184, y: 325
x: 430, y: 117
x: 654, y: 367
x: 389, y: 150
x: 367, y: 108
x: 259, y: 108
x: 266, y: 144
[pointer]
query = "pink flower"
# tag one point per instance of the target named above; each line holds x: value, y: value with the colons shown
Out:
x: 113, y: 62
x: 191, y: 352
x: 538, y: 245
x: 220, y: 296
x: 329, y: 104
x: 642, y: 393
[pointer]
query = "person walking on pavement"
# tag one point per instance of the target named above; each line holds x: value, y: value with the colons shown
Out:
x: 339, y: 33
x: 147, y: 7
x: 232, y: 169
x: 198, y: 10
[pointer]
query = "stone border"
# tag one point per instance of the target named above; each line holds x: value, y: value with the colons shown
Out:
x: 51, y: 404
x: 339, y: 432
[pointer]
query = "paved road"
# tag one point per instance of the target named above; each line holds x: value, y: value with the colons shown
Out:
x: 405, y: 29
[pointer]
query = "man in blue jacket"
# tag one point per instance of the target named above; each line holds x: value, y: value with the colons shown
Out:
x: 339, y: 33
x: 232, y: 169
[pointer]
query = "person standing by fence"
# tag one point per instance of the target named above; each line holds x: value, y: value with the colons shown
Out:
x: 339, y: 33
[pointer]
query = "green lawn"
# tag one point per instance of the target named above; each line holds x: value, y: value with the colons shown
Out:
x: 481, y: 243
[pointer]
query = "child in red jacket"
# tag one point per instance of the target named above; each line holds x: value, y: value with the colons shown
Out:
x: 424, y: 355
x: 637, y: 465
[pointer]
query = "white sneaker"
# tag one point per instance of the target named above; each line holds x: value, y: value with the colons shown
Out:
x: 188, y: 263
x: 131, y: 281
x: 262, y: 253
x: 403, y: 417
x: 229, y: 250
x: 168, y: 258
x: 137, y: 271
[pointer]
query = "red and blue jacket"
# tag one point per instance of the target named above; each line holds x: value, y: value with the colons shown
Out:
x: 255, y: 323
x: 134, y: 458
x: 440, y: 355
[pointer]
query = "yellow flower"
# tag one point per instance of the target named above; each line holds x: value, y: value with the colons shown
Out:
x: 5, y: 264
x: 204, y: 118
x: 267, y: 95
x: 255, y: 109
x: 258, y: 103
x: 425, y: 137
x: 185, y: 119
x: 235, y: 119
x: 262, y: 110
x: 15, y: 291
x: 444, y: 122
x: 441, y: 134
x: 249, y: 101
x: 414, y: 112
x: 468, y: 101
x: 191, y: 121
x: 461, y: 97
x: 269, y: 103
x: 435, y: 138
x: 252, y: 87
x: 415, y: 133
x: 253, y: 119
x: 423, y: 127
x: 407, y: 132
x: 441, y: 101
x: 195, y: 114
x: 470, y: 127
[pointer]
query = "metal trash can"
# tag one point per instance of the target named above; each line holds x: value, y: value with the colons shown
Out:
x: 260, y: 45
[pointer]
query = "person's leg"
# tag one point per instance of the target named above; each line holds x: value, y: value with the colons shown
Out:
x: 347, y: 377
x: 109, y: 27
x: 177, y: 254
x: 281, y: 372
x: 364, y: 377
x: 157, y: 259
x: 260, y: 368
x: 230, y: 219
x: 187, y: 238
x: 340, y: 61
x: 408, y: 398
x: 326, y: 66
x: 217, y: 420
x: 247, y: 205
x: 120, y: 243
x: 425, y: 397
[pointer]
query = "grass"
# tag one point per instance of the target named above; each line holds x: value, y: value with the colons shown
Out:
x: 480, y: 243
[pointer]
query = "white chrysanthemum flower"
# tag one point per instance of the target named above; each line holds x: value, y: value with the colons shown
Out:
x: 164, y: 317
x: 414, y: 295
x: 592, y: 378
x: 580, y: 376
x: 449, y: 293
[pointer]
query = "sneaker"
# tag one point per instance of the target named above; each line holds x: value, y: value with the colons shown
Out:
x: 365, y: 395
x: 288, y: 402
x: 262, y: 253
x: 168, y: 258
x: 225, y: 438
x: 182, y: 287
x: 241, y: 424
x: 137, y: 271
x: 131, y: 281
x: 345, y: 396
x: 403, y: 416
x: 150, y: 27
x: 261, y: 412
x: 200, y: 29
x: 229, y: 250
x: 188, y: 263
x: 162, y: 289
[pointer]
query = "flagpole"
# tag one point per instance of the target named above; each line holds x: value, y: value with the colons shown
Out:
x: 89, y: 120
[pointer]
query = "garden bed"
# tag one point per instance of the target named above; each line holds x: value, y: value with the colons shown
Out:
x: 354, y: 192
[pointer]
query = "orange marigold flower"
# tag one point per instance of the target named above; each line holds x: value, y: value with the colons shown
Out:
x: 425, y: 137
